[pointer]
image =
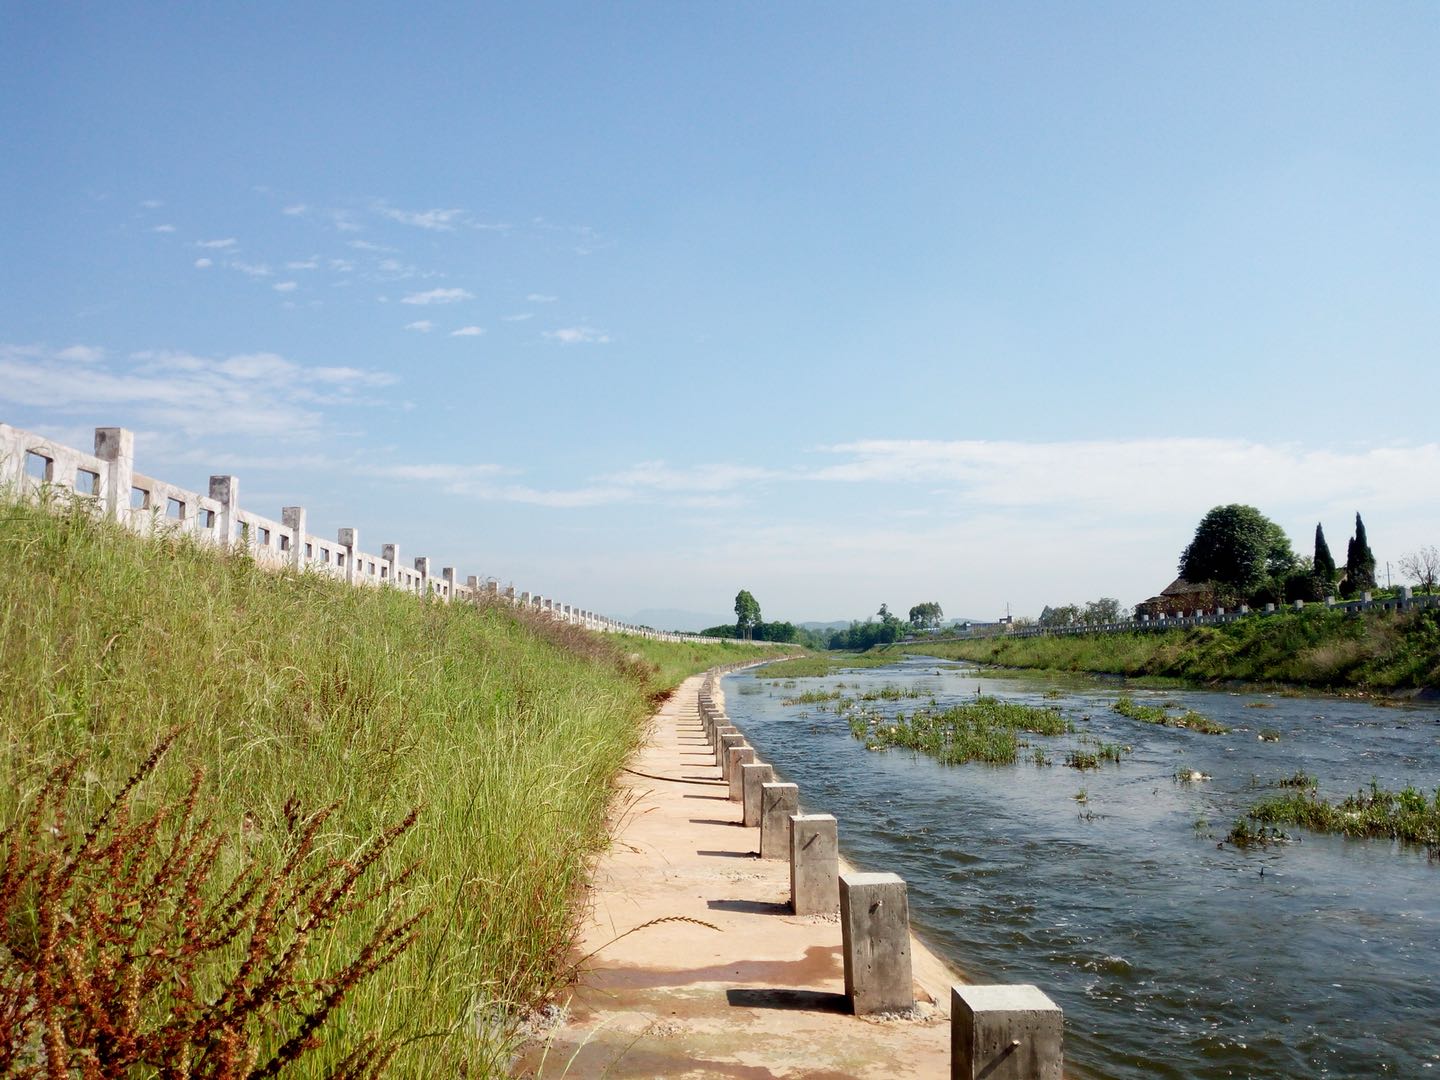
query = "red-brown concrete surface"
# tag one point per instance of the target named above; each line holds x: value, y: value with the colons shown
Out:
x: 732, y: 984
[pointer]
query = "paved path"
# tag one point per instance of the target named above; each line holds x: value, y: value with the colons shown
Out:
x: 732, y: 985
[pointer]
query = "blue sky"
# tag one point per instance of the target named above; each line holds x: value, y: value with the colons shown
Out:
x: 639, y: 304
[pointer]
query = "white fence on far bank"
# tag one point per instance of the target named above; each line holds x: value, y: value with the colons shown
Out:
x: 31, y: 462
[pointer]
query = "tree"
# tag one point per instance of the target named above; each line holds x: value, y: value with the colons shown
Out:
x: 1100, y: 612
x: 926, y: 614
x: 747, y: 613
x: 1423, y: 567
x: 1236, y: 546
x: 1359, y: 564
x: 1325, y: 571
x: 1064, y: 615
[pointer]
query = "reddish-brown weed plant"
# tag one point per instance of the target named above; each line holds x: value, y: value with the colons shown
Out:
x: 127, y: 948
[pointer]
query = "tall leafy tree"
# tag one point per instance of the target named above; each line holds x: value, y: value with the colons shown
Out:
x: 1359, y: 563
x: 1324, y: 565
x: 1236, y: 546
x: 926, y: 614
x: 747, y: 613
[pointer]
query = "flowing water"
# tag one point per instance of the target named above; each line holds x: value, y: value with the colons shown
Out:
x: 1172, y: 954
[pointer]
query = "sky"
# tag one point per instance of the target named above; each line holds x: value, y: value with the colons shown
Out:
x: 639, y: 304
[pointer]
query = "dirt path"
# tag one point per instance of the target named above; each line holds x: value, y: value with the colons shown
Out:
x: 732, y: 984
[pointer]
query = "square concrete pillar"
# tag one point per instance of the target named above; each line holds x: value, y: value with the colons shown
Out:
x: 116, y: 447
x: 1004, y: 1033
x: 226, y: 491
x: 777, y: 803
x: 422, y: 567
x: 293, y: 518
x: 875, y: 939
x: 451, y: 580
x: 752, y: 778
x: 814, y: 864
x: 391, y: 554
x: 349, y: 539
x: 739, y: 755
x: 721, y: 728
x: 721, y: 751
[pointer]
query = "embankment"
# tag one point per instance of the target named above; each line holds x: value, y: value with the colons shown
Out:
x: 293, y: 692
x: 1312, y: 648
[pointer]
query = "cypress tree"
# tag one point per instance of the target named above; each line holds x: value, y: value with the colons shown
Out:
x: 1324, y: 562
x: 1359, y: 563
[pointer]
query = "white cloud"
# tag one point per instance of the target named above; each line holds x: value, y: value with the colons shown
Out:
x: 343, y: 266
x: 152, y: 204
x: 312, y: 263
x: 295, y: 210
x: 255, y: 270
x: 424, y: 326
x: 163, y: 229
x: 250, y: 394
x: 438, y: 220
x: 367, y: 245
x: 285, y: 286
x: 577, y: 335
x: 438, y: 296
x: 228, y: 242
x: 541, y: 298
x: 468, y: 331
x: 659, y: 476
x: 518, y: 318
x: 81, y: 354
x: 201, y: 264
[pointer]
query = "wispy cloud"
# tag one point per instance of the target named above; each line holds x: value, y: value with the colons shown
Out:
x: 423, y: 326
x: 163, y: 229
x: 202, y: 264
x: 437, y: 296
x: 251, y: 394
x: 523, y: 317
x: 285, y: 286
x: 151, y: 204
x: 367, y: 245
x: 541, y: 298
x: 219, y: 245
x: 295, y: 210
x: 249, y: 269
x: 468, y: 331
x: 312, y: 263
x: 577, y: 335
x: 437, y: 220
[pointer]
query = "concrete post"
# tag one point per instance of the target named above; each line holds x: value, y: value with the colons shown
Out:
x: 1005, y: 1033
x: 226, y: 491
x: 349, y: 539
x: 422, y: 566
x: 116, y: 447
x: 875, y: 940
x: 753, y: 778
x: 391, y: 554
x: 739, y: 755
x: 718, y: 730
x: 777, y: 803
x: 293, y: 518
x: 814, y: 864
x: 1244, y: 609
x: 1269, y: 608
x: 1299, y: 605
x: 451, y: 580
x: 722, y: 752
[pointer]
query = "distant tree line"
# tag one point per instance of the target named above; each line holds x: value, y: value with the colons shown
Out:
x: 1095, y: 613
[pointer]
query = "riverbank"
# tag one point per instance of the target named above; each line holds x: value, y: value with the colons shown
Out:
x: 690, y: 963
x: 1314, y: 648
x: 290, y: 693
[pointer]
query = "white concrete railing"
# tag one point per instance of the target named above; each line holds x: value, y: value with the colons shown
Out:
x: 30, y: 462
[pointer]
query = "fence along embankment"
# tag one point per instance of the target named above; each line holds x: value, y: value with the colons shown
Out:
x: 147, y: 505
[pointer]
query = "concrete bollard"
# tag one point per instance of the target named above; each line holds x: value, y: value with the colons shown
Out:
x: 814, y: 864
x: 752, y: 778
x: 1004, y: 1033
x: 739, y: 757
x: 722, y: 752
x: 777, y: 803
x: 721, y: 730
x: 875, y: 937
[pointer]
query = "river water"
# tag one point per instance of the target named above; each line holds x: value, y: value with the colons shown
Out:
x: 1172, y: 954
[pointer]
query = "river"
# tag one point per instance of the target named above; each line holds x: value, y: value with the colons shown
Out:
x: 1172, y: 954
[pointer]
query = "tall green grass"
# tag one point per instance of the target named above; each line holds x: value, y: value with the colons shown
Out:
x: 1315, y: 647
x: 507, y: 732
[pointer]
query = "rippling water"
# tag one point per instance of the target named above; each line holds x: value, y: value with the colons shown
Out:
x: 1171, y: 954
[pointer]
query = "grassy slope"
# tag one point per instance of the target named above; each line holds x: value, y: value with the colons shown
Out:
x: 508, y: 733
x: 1315, y: 647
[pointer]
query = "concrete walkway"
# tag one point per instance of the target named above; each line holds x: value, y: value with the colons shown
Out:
x: 724, y: 982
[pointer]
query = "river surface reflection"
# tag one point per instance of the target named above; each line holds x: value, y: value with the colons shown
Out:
x: 1172, y: 954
